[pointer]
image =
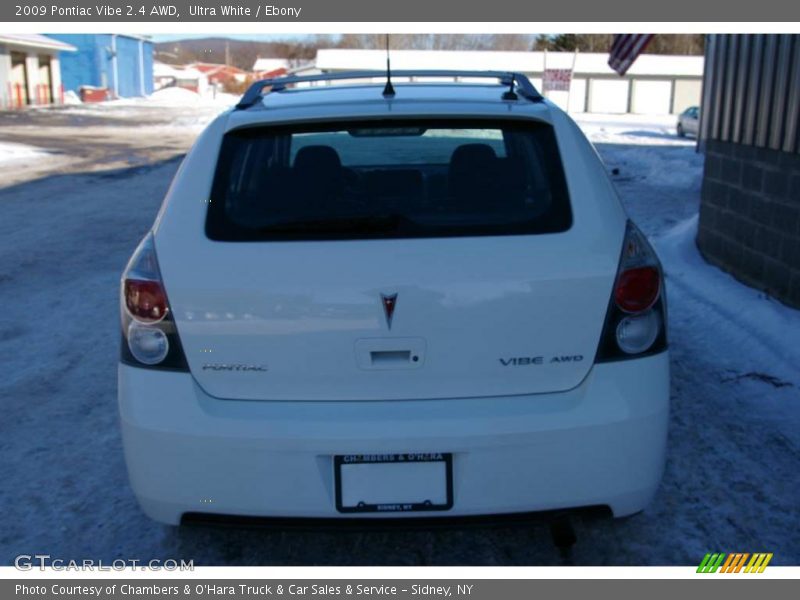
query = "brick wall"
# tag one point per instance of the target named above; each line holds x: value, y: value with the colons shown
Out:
x: 750, y: 216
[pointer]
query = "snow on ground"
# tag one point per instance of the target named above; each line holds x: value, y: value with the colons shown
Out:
x: 170, y: 96
x: 651, y: 145
x: 767, y: 329
x: 184, y: 108
x: 71, y: 97
x: 650, y: 130
x: 14, y: 153
x: 182, y: 97
x: 89, y: 137
x: 730, y: 482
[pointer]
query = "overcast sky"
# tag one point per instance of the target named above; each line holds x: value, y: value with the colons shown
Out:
x: 266, y: 37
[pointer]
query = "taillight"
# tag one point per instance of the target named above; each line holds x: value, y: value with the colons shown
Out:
x: 637, y: 289
x: 636, y: 318
x: 149, y: 336
x: 146, y: 301
x: 636, y: 333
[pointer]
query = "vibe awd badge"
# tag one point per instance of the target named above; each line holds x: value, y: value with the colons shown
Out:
x: 522, y: 361
x: 389, y: 302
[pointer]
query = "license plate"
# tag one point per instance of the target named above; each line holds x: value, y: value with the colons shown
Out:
x: 393, y: 482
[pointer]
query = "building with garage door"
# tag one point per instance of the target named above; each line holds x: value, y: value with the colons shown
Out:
x: 30, y: 71
x: 655, y: 84
x: 120, y: 64
x: 750, y: 131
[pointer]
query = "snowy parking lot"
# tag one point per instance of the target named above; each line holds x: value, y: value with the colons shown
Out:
x: 79, y: 187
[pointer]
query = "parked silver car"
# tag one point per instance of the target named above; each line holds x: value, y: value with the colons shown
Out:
x: 689, y: 121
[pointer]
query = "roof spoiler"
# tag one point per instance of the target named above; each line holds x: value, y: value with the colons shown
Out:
x: 517, y: 83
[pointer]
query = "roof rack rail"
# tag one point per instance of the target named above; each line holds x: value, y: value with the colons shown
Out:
x: 523, y: 85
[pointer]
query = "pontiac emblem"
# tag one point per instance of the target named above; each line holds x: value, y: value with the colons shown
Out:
x: 389, y: 302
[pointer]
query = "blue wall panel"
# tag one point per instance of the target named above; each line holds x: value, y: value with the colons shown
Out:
x: 93, y: 63
x: 128, y: 67
x: 148, y: 68
x: 78, y: 68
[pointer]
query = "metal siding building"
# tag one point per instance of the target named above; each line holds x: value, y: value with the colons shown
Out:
x: 752, y: 91
x: 750, y: 207
x: 121, y: 63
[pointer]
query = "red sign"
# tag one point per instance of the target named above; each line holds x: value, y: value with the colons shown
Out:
x: 556, y: 80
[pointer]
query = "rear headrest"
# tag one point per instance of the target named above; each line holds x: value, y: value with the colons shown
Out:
x: 473, y: 172
x: 469, y: 154
x: 318, y: 176
x: 318, y: 158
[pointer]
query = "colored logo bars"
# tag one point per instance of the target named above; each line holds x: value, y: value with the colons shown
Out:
x: 734, y: 563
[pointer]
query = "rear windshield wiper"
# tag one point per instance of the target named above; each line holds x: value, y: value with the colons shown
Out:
x: 348, y: 224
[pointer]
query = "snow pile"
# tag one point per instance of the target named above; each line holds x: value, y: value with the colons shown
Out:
x: 71, y: 97
x: 744, y: 316
x: 175, y: 96
x: 179, y: 109
x: 11, y: 152
x: 166, y: 97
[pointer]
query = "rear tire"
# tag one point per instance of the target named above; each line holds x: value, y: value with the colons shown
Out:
x: 681, y: 132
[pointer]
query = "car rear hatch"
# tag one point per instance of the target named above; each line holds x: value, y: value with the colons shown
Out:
x: 413, y: 259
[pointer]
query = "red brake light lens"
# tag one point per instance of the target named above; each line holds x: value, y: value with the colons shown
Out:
x: 637, y: 289
x: 146, y: 301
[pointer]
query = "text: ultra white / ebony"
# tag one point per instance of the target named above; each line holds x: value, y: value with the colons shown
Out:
x: 237, y: 10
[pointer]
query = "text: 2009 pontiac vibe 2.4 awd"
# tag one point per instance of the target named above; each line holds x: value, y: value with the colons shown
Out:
x: 409, y: 302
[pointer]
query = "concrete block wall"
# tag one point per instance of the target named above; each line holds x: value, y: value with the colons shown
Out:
x: 750, y: 216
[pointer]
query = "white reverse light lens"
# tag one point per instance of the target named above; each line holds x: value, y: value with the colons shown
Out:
x: 637, y: 333
x: 147, y: 344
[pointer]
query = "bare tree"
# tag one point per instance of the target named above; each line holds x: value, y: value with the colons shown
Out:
x: 682, y: 44
x: 436, y: 41
x: 512, y: 42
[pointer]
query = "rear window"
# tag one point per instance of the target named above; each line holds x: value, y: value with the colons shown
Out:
x: 388, y: 179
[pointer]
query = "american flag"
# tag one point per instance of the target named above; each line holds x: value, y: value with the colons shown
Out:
x: 625, y: 49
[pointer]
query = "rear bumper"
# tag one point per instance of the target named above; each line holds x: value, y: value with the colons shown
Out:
x: 602, y: 443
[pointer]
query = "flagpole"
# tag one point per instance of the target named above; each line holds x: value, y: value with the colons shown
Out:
x: 544, y: 75
x: 571, y: 77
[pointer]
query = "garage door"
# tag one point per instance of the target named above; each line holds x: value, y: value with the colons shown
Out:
x: 687, y: 93
x: 608, y: 96
x: 651, y: 97
x: 577, y: 96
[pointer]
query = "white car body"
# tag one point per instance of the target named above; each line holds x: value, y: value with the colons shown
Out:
x: 282, y: 340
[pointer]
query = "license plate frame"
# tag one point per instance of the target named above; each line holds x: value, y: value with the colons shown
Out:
x: 388, y: 461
